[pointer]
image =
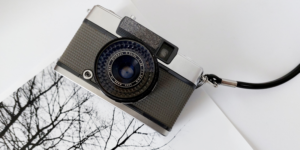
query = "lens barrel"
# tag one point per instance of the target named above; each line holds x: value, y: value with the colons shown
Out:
x: 126, y: 70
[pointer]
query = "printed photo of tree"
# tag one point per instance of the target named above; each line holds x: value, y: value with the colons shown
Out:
x: 51, y: 112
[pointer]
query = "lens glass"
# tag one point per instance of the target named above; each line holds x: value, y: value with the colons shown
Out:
x: 125, y: 68
x: 126, y: 71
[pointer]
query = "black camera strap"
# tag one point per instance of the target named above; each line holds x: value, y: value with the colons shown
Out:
x: 215, y: 81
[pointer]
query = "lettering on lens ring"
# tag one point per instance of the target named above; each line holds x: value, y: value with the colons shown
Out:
x: 123, y: 53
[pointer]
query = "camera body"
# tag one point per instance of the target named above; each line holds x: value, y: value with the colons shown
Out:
x: 131, y: 67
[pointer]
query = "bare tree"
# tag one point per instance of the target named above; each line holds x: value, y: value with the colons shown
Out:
x: 40, y: 112
x: 51, y: 112
x: 115, y: 134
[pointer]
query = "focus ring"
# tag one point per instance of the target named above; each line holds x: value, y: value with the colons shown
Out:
x: 106, y: 70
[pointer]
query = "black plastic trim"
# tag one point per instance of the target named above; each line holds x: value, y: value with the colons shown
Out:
x: 122, y: 32
x: 174, y: 52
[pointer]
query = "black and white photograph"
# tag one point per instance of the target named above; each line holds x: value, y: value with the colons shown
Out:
x: 51, y: 112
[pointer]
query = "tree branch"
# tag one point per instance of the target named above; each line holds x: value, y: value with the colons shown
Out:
x: 29, y: 102
x: 125, y: 131
x: 123, y: 142
x: 110, y: 129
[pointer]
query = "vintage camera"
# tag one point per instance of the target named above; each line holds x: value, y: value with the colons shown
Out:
x: 131, y: 67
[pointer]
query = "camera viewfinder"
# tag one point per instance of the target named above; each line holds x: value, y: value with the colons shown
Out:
x: 166, y: 52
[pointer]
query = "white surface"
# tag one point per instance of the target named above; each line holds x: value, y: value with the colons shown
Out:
x: 33, y: 34
x: 252, y: 41
x: 202, y: 126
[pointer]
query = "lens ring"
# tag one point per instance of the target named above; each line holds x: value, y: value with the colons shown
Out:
x: 104, y: 70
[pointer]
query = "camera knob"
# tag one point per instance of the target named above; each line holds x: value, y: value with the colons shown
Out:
x: 87, y: 74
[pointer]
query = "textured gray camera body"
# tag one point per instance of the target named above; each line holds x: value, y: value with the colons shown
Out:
x: 163, y: 105
x: 176, y: 81
x: 84, y: 47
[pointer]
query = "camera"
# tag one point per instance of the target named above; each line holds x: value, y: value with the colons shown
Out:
x: 130, y: 66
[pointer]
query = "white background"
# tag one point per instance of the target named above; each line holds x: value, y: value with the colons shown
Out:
x: 252, y: 41
x: 34, y: 34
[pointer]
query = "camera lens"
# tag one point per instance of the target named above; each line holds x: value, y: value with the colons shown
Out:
x: 126, y: 70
